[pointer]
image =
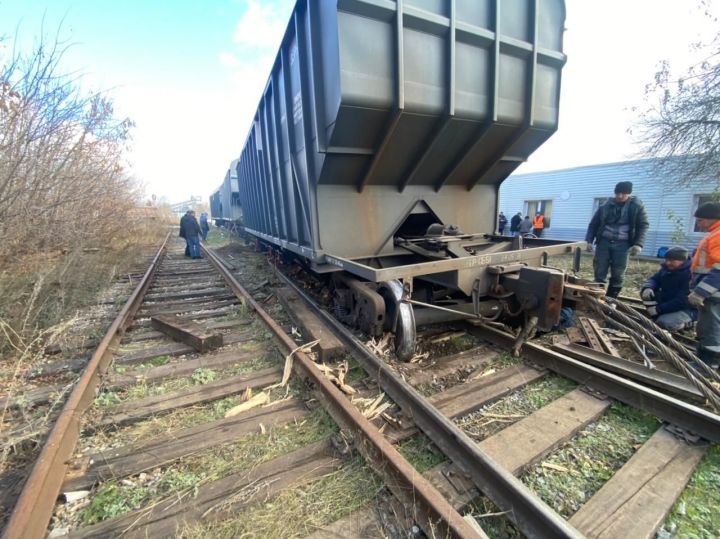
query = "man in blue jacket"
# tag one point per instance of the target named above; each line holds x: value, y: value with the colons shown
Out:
x: 665, y: 294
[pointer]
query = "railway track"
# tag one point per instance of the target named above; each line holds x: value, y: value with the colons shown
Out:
x: 441, y: 396
x: 628, y: 504
x: 95, y: 441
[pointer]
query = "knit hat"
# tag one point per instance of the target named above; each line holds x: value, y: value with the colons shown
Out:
x: 676, y: 253
x: 623, y: 187
x: 709, y: 210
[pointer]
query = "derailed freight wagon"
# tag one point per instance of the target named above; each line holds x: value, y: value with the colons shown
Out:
x: 379, y: 145
x: 225, y: 204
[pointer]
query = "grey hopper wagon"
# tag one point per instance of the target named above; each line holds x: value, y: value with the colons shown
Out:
x: 225, y: 204
x: 215, y: 207
x: 379, y: 145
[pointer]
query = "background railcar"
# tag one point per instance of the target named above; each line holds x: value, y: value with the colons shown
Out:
x: 383, y: 134
x: 225, y: 203
x: 215, y: 206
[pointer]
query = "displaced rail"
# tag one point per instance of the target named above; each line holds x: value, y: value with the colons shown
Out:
x: 433, y: 511
x: 530, y: 514
x: 677, y: 412
x: 434, y: 417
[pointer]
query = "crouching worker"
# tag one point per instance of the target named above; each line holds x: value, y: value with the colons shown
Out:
x: 705, y: 294
x: 665, y: 294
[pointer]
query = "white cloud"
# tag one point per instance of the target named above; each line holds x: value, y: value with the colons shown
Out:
x: 263, y: 24
x: 228, y: 59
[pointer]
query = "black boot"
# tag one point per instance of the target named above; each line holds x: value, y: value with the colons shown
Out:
x: 613, y: 291
x: 709, y: 357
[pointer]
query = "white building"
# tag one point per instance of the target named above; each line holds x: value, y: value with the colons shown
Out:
x: 569, y: 198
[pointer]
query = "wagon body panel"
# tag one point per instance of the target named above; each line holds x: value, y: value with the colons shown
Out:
x: 379, y: 112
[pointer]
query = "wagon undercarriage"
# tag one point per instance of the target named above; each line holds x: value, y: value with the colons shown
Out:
x: 434, y: 279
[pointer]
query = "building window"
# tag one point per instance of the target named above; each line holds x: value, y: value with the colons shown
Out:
x: 543, y: 206
x: 699, y: 200
x: 597, y: 202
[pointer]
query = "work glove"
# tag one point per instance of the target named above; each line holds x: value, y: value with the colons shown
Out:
x: 634, y: 250
x: 652, y: 311
x: 589, y: 248
x: 648, y: 294
x: 696, y: 300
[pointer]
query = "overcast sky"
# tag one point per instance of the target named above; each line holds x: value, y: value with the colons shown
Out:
x: 190, y: 74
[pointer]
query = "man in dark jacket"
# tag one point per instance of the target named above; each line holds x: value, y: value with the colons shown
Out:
x: 618, y: 228
x: 192, y: 234
x: 502, y: 223
x: 204, y: 225
x: 665, y: 294
x: 183, y: 231
x: 525, y: 226
x: 515, y: 224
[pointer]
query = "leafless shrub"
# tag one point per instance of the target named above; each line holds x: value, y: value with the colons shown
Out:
x: 64, y: 185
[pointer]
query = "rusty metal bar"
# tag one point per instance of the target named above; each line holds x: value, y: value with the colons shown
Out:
x: 433, y: 512
x: 34, y: 509
x: 605, y: 341
x: 422, y: 269
x: 590, y: 336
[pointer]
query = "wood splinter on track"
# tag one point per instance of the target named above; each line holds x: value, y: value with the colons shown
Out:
x: 287, y: 369
x: 249, y: 402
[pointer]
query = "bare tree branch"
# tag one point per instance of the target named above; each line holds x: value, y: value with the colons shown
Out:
x: 680, y: 124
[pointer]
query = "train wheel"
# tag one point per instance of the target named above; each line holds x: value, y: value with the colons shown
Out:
x: 401, y: 319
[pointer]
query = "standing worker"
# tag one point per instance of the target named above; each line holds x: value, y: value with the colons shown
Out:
x: 538, y: 224
x: 525, y: 226
x: 192, y: 235
x: 204, y: 226
x: 705, y: 294
x: 502, y: 222
x: 618, y: 228
x: 515, y: 224
x: 183, y: 231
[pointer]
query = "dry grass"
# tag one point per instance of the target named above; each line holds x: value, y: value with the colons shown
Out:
x: 200, y: 377
x: 47, y: 299
x: 300, y: 511
x: 500, y: 414
x: 114, y: 498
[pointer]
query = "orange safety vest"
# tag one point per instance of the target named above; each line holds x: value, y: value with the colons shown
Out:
x: 707, y: 255
x: 539, y: 221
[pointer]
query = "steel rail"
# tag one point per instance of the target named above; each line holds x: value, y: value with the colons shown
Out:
x: 675, y: 411
x: 638, y: 372
x: 433, y: 512
x: 33, y: 511
x: 530, y: 514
